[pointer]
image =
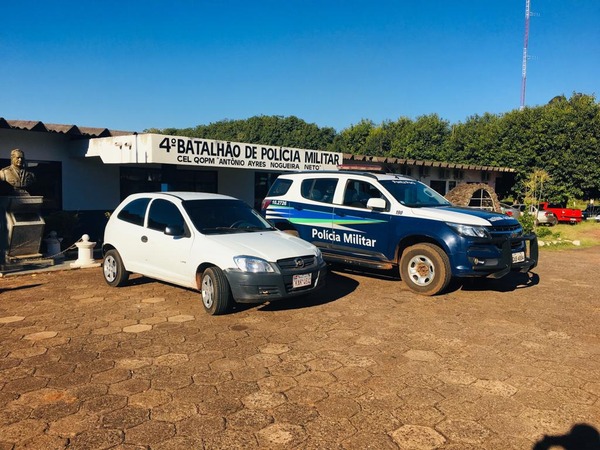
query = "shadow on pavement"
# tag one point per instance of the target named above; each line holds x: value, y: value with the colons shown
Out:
x: 18, y: 288
x: 581, y: 437
x: 337, y: 287
x: 509, y: 283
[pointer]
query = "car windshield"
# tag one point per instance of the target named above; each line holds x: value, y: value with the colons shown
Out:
x: 414, y: 194
x: 224, y: 216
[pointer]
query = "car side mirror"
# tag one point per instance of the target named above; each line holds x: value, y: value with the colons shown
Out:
x: 376, y: 203
x: 174, y: 230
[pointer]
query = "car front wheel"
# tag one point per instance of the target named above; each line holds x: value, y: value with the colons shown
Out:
x: 425, y: 268
x: 215, y: 291
x: 113, y: 269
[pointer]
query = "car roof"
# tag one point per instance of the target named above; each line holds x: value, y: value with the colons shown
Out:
x: 349, y: 173
x: 183, y: 195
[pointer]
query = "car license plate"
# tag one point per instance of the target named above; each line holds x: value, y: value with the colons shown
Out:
x: 518, y: 257
x: 302, y: 280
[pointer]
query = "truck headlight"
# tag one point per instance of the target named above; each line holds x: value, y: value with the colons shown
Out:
x: 252, y: 264
x: 470, y: 230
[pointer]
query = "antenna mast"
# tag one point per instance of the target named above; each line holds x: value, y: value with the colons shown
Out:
x: 525, y: 57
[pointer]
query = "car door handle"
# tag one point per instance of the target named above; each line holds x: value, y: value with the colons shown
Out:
x: 144, y: 239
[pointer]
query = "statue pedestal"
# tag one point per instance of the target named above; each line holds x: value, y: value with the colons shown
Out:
x: 21, y: 229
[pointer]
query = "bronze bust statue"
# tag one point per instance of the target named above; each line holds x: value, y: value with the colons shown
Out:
x: 17, y: 174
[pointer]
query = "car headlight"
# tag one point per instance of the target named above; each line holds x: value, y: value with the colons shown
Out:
x: 470, y: 230
x: 252, y: 264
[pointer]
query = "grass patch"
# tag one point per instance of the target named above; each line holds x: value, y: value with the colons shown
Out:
x: 588, y: 233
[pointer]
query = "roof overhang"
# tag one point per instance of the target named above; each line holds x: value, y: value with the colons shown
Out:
x: 149, y: 148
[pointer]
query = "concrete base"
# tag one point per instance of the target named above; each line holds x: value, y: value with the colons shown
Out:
x: 84, y: 265
x: 23, y: 264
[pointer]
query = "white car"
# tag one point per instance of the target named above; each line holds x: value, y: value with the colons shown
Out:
x: 541, y: 217
x: 213, y: 243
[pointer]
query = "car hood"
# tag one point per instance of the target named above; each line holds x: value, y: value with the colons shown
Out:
x: 466, y: 216
x: 269, y: 245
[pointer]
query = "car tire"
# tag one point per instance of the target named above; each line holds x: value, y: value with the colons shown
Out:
x: 425, y: 268
x: 215, y: 291
x: 113, y: 269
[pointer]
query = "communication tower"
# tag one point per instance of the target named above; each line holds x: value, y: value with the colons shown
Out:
x: 525, y: 57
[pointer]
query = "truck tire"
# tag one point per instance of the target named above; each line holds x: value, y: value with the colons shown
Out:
x: 425, y: 268
x: 215, y: 291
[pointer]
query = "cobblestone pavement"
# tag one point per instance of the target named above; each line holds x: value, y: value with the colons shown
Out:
x: 363, y: 364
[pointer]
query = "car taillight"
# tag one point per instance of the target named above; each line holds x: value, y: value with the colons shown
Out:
x: 265, y: 204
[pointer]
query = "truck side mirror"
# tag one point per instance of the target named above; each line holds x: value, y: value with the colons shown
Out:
x: 376, y: 203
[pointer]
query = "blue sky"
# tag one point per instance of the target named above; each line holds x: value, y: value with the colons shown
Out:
x: 132, y: 65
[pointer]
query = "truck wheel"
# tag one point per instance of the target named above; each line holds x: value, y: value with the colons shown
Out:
x: 215, y: 291
x: 113, y: 269
x: 425, y: 268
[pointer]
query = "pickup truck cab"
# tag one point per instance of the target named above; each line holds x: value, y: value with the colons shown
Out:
x: 563, y: 215
x: 387, y: 221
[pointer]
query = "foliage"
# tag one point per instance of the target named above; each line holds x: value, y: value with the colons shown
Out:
x: 543, y: 232
x: 267, y: 130
x: 562, y: 138
x: 527, y: 222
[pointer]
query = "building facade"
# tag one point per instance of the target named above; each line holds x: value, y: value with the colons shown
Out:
x: 88, y: 171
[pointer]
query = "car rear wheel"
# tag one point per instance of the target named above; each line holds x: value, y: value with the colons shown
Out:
x: 215, y: 291
x: 113, y: 269
x: 425, y: 268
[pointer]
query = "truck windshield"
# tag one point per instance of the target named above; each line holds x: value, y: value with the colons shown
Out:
x: 414, y: 194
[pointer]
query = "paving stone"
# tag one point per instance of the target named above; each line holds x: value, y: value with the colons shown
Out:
x: 263, y: 400
x: 250, y: 419
x: 281, y: 435
x: 295, y: 413
x: 137, y: 328
x: 417, y: 437
x: 150, y: 398
x: 125, y: 418
x: 482, y: 368
x: 97, y: 439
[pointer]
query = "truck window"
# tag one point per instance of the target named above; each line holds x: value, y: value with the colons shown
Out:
x: 280, y: 187
x: 358, y: 193
x: 318, y: 189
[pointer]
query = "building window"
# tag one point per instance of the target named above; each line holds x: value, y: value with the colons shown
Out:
x: 444, y: 173
x: 423, y: 172
x: 482, y: 199
x: 166, y: 178
x: 139, y: 179
x: 406, y: 170
x: 439, y: 186
x: 459, y: 174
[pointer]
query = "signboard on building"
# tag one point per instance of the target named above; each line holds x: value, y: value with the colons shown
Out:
x: 164, y: 149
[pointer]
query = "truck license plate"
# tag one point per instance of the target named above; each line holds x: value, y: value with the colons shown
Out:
x: 302, y: 280
x: 518, y: 257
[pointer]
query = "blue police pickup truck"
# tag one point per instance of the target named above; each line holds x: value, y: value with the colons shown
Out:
x: 387, y: 221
